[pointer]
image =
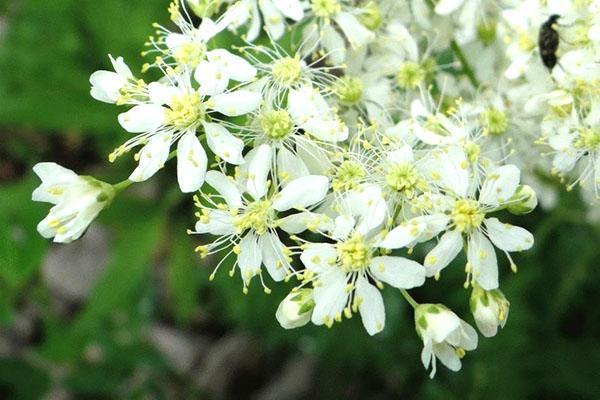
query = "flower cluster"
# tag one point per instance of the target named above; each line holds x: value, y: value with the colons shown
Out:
x: 329, y: 139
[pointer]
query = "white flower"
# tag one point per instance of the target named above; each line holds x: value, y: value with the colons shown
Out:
x: 213, y: 69
x: 274, y: 14
x: 463, y: 216
x: 343, y: 273
x: 327, y: 15
x: 249, y: 218
x: 107, y: 86
x: 295, y: 310
x: 77, y: 201
x: 445, y: 336
x: 490, y: 310
x: 175, y: 112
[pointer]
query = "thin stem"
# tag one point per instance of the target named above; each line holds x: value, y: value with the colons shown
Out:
x: 466, y: 67
x: 409, y: 298
x: 119, y: 187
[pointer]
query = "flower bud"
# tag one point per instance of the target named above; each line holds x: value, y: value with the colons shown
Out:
x: 523, y: 201
x: 296, y: 309
x: 204, y: 8
x: 490, y: 310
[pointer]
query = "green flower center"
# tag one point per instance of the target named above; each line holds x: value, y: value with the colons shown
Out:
x: 325, y: 8
x: 349, y: 89
x: 472, y: 151
x: 495, y: 122
x: 467, y: 215
x: 185, y: 111
x: 486, y: 31
x: 371, y: 16
x: 589, y: 138
x: 287, y: 71
x: 410, y: 75
x: 190, y: 53
x: 258, y: 216
x: 354, y: 254
x: 403, y: 178
x: 348, y: 175
x: 276, y: 124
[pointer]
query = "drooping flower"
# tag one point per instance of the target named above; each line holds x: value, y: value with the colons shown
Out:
x: 77, y: 201
x: 490, y: 310
x: 445, y: 337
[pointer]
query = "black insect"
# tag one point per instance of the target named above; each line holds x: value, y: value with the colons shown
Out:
x: 548, y: 42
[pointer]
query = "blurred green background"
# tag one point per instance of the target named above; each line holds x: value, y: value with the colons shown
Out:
x: 127, y: 312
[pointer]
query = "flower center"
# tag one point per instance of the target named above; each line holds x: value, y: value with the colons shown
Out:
x: 486, y: 31
x: 354, y: 254
x: 287, y: 71
x: 589, y: 138
x: 185, y: 111
x: 349, y: 89
x: 494, y: 121
x: 191, y: 53
x: 348, y: 176
x: 276, y: 124
x: 410, y: 75
x: 371, y: 16
x: 525, y: 42
x: 325, y: 8
x: 258, y: 216
x: 402, y: 177
x: 467, y: 215
x: 472, y: 151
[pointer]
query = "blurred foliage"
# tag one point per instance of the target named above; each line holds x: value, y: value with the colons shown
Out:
x: 549, y: 348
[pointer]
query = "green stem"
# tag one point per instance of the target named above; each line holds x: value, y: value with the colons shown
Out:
x: 466, y: 67
x: 119, y: 187
x: 409, y: 298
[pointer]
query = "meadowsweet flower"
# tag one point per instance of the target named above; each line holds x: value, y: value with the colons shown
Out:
x: 295, y: 310
x: 175, y: 112
x: 250, y: 216
x: 341, y: 273
x: 445, y: 337
x: 77, y: 201
x: 110, y: 87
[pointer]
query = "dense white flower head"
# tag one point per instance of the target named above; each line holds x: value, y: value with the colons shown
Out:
x: 357, y: 146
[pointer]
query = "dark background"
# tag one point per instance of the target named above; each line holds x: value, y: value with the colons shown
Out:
x: 128, y: 312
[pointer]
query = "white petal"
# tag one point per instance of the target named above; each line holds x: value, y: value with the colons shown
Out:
x: 468, y: 340
x: 121, y: 67
x: 223, y: 143
x: 292, y: 9
x: 106, y: 86
x: 250, y: 257
x: 272, y: 255
x: 333, y: 43
x: 482, y: 259
x: 142, y: 118
x: 302, y: 192
x: 508, y: 237
x: 258, y: 171
x: 330, y: 296
x: 319, y: 257
x: 212, y: 80
x: 445, y: 7
x: 297, y: 223
x: 236, y: 67
x: 226, y: 187
x: 329, y: 130
x: 238, y: 102
x: 371, y: 308
x: 191, y: 163
x: 274, y: 22
x: 219, y: 224
x: 399, y: 272
x: 403, y: 235
x: 162, y: 94
x: 290, y: 166
x: 443, y: 253
x: 51, y: 173
x: 454, y: 170
x: 500, y: 185
x: 402, y: 155
x: 446, y: 354
x: 356, y: 33
x: 152, y: 157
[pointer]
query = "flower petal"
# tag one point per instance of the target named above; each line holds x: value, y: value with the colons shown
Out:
x: 319, y: 257
x: 399, y: 272
x: 482, y: 259
x: 142, y: 118
x: 191, y: 163
x: 443, y: 253
x: 273, y: 257
x: 508, y: 237
x: 152, y: 157
x: 371, y: 308
x: 223, y: 143
x: 258, y: 171
x: 302, y: 192
x: 500, y: 185
x: 238, y: 102
x: 226, y: 187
